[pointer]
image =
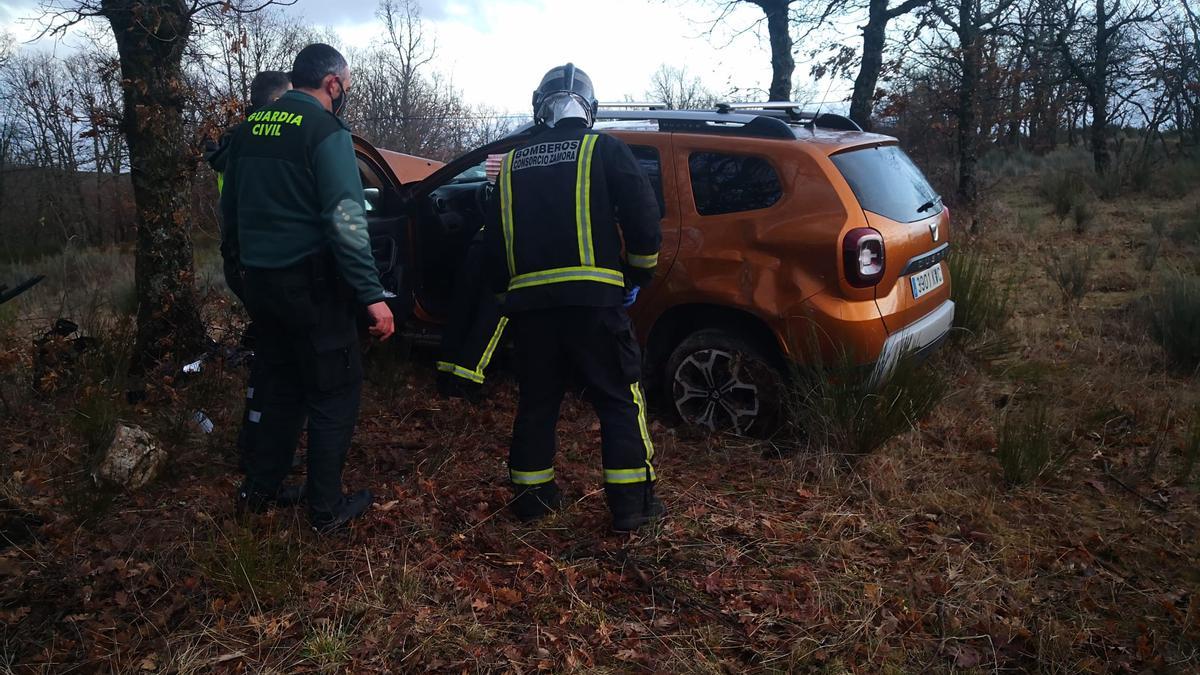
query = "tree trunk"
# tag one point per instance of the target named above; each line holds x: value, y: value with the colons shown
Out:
x: 874, y: 35
x: 779, y: 33
x: 968, y: 114
x: 1098, y: 93
x: 151, y: 36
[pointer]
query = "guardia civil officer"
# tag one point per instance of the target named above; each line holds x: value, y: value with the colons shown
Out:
x: 266, y: 87
x: 294, y: 217
x: 554, y: 244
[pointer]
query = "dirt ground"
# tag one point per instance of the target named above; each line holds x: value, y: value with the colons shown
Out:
x: 917, y: 558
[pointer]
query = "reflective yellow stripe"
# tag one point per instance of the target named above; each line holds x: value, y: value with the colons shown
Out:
x: 643, y: 261
x: 627, y: 476
x: 532, y: 477
x: 491, y: 348
x: 220, y: 182
x: 564, y: 274
x: 457, y: 370
x: 640, y: 400
x: 583, y: 200
x: 506, y: 211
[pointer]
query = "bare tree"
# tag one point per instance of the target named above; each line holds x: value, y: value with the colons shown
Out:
x: 971, y: 22
x: 678, y: 89
x: 1095, y: 42
x: 880, y: 13
x: 151, y: 38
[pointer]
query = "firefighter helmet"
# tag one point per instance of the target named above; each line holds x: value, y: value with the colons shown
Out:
x: 565, y: 92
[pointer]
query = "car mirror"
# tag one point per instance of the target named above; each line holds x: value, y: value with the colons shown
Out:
x: 371, y: 198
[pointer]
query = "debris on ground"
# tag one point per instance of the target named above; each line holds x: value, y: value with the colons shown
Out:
x: 132, y: 460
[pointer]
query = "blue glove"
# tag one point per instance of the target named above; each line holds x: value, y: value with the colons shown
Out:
x: 631, y: 296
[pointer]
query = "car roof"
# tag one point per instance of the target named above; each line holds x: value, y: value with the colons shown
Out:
x: 830, y: 133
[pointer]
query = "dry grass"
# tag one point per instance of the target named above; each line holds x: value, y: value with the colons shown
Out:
x: 918, y: 558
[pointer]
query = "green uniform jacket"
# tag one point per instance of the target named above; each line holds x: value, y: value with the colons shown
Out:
x: 291, y: 189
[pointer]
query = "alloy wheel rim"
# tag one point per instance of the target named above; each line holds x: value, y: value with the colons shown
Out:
x: 711, y: 390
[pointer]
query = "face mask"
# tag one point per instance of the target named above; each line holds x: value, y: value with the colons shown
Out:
x: 339, y: 101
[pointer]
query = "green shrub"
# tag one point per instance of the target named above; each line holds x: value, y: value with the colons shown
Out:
x: 1083, y: 212
x: 1158, y: 224
x: 1188, y: 232
x: 842, y: 412
x: 1149, y: 254
x: 1025, y: 447
x: 981, y: 302
x: 1180, y: 177
x: 1062, y: 190
x: 1028, y: 221
x: 1175, y: 320
x: 1071, y: 274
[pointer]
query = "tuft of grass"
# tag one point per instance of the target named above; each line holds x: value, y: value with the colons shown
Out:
x: 1175, y: 320
x: 1071, y: 273
x: 1026, y: 446
x: 842, y: 412
x: 981, y: 303
x: 327, y: 645
x: 1190, y: 454
x: 258, y: 563
x: 1083, y: 213
x: 1028, y: 221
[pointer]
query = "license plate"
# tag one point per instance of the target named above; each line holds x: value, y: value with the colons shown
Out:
x: 923, y: 282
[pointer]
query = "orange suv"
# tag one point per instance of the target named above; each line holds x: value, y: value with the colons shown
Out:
x: 778, y: 226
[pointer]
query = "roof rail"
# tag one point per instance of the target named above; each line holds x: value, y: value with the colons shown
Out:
x: 705, y: 121
x: 792, y: 112
x: 632, y: 105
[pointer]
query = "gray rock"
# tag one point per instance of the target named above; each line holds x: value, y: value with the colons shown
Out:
x: 133, y: 460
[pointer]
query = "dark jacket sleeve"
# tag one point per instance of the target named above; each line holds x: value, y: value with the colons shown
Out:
x: 230, y: 248
x: 636, y: 209
x: 340, y: 195
x: 495, y: 260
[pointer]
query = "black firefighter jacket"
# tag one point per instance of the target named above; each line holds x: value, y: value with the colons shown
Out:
x: 562, y: 206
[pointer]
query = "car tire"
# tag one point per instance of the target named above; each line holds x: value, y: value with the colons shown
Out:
x: 720, y: 381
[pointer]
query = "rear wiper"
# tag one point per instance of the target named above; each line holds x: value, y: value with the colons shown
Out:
x: 929, y: 204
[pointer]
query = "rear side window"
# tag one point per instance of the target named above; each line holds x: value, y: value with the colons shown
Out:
x: 887, y: 182
x: 724, y: 183
x: 647, y: 157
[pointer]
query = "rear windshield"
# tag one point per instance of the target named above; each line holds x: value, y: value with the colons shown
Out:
x: 887, y: 182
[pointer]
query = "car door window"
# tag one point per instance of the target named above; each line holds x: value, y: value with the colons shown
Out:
x: 728, y: 183
x: 647, y: 156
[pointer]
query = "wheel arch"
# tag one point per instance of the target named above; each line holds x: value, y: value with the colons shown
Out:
x: 677, y: 323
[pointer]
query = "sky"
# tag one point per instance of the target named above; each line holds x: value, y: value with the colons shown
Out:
x: 496, y: 51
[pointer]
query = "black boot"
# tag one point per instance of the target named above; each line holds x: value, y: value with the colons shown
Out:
x: 350, y: 507
x: 452, y: 386
x: 633, y: 505
x: 532, y: 502
x: 249, y: 500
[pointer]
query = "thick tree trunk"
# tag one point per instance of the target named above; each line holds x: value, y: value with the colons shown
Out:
x: 1098, y: 93
x: 968, y: 115
x: 780, y: 36
x: 151, y: 36
x: 874, y: 35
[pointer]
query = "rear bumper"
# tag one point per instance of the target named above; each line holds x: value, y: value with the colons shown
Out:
x: 920, y: 338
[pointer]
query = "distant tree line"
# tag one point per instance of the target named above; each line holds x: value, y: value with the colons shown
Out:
x: 1027, y: 74
x: 64, y: 160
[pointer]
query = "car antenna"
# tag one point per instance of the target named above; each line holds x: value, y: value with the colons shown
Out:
x: 813, y: 129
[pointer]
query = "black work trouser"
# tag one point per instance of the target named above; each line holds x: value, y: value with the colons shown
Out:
x: 597, y: 345
x: 476, y: 323
x: 307, y: 365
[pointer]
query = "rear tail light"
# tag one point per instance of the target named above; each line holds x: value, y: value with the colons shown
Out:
x: 863, y: 255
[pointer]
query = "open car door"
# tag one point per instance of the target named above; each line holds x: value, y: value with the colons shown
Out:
x: 384, y: 175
